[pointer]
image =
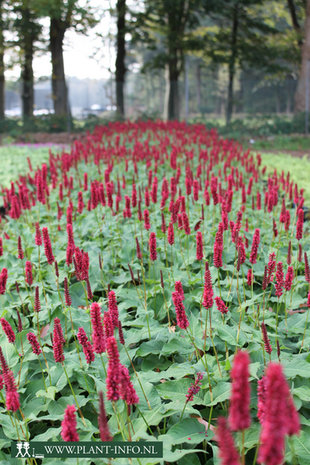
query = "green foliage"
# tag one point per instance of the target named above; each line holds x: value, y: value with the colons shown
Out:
x: 163, y: 359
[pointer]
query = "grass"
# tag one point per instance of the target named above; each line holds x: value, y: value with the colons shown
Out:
x: 14, y: 161
x: 298, y: 167
x: 283, y: 142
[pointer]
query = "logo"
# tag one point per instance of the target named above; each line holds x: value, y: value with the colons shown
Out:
x: 22, y: 446
x: 86, y: 449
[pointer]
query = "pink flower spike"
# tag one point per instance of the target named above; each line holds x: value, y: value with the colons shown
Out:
x: 239, y: 408
x: 68, y: 425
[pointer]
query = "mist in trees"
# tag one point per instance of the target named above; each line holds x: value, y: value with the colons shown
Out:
x: 224, y: 41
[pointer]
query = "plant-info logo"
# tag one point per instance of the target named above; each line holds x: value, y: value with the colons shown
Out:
x: 87, y: 449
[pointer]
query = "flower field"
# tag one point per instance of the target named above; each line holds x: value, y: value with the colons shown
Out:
x: 155, y: 286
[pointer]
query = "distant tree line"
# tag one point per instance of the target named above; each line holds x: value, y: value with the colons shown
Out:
x: 268, y: 39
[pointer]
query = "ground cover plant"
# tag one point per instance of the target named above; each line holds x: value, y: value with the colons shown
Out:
x: 155, y: 286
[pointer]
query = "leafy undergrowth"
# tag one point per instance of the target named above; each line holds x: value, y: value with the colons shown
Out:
x: 125, y: 211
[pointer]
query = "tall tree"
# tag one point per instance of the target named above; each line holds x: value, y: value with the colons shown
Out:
x: 303, y: 87
x: 168, y: 28
x: 2, y: 80
x: 28, y: 28
x: 120, y: 67
x: 63, y: 15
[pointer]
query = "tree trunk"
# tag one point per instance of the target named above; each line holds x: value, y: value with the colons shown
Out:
x: 27, y: 69
x: 300, y: 96
x: 295, y: 23
x: 232, y: 65
x: 120, y: 69
x: 172, y: 104
x: 59, y: 87
x: 2, y: 80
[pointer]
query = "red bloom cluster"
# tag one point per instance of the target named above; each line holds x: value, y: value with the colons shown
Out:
x: 69, y: 425
x: 289, y: 278
x: 3, y: 280
x: 87, y: 347
x: 33, y: 341
x: 113, y: 372
x: 279, y: 416
x: 199, y: 246
x: 38, y: 236
x: 227, y: 449
x: 300, y: 224
x: 207, y: 301
x: 182, y: 320
x: 239, y: 408
x: 279, y: 284
x: 8, y: 330
x: 218, y: 247
x: 255, y: 245
x: 58, y: 341
x: 28, y: 273
x: 152, y: 246
x: 37, y: 303
x: 81, y: 264
x: 194, y: 388
x: 12, y: 396
x: 105, y: 434
x: 97, y: 328
x: 266, y: 340
x: 221, y: 305
x: 47, y: 246
x: 113, y: 310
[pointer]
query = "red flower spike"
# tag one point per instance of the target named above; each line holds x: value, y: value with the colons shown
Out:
x: 152, y: 246
x: 113, y: 309
x: 170, y: 234
x: 20, y: 248
x: 227, y: 449
x: 307, y: 269
x: 199, y: 246
x: 207, y: 301
x: 105, y: 434
x: 218, y: 247
x: 299, y: 224
x: 120, y: 333
x: 127, y: 390
x: 182, y: 320
x: 3, y: 280
x: 279, y: 284
x: 113, y: 372
x: 38, y: 236
x: 194, y: 388
x: 261, y: 402
x: 47, y: 246
x: 58, y: 341
x: 69, y: 425
x: 278, y: 412
x: 266, y: 340
x: 8, y: 330
x: 28, y: 273
x: 239, y: 408
x: 37, y: 304
x: 68, y: 299
x: 33, y: 341
x: 97, y: 328
x: 179, y: 288
x: 255, y: 245
x: 289, y: 278
x: 221, y: 305
x: 250, y: 277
